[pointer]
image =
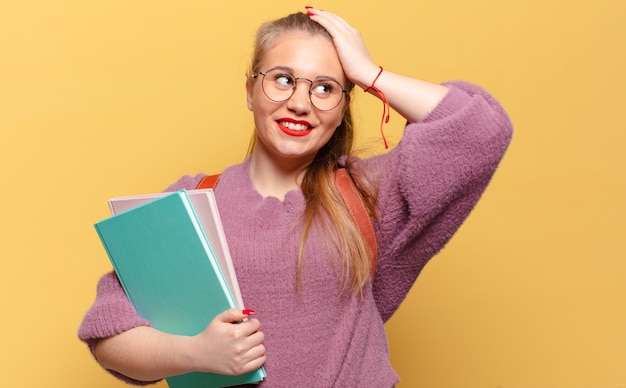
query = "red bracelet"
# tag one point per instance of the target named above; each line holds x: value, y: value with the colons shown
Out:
x: 386, y: 108
x: 375, y: 79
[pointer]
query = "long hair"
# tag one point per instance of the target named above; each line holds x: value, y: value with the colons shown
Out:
x: 324, y: 205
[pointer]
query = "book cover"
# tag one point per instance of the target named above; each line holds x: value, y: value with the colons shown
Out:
x: 205, y: 206
x: 169, y: 271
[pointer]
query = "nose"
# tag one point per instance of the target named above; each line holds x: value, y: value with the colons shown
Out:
x: 300, y: 100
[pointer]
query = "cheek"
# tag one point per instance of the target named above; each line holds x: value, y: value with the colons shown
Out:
x: 258, y: 117
x: 336, y: 121
x: 256, y: 105
x: 331, y: 127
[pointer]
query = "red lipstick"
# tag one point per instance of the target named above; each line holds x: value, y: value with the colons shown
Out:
x: 294, y: 127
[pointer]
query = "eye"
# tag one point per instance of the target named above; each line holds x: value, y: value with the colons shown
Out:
x: 283, y: 81
x: 325, y: 88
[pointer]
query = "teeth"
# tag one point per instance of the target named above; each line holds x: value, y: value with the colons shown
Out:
x: 294, y: 126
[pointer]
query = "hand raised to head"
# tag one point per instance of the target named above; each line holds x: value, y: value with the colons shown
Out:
x: 353, y: 54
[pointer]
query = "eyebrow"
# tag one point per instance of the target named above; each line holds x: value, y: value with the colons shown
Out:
x: 289, y: 70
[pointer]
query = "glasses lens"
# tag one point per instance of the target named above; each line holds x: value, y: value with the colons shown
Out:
x: 326, y: 94
x: 279, y: 86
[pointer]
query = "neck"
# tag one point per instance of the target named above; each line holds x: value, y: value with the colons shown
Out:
x: 274, y: 178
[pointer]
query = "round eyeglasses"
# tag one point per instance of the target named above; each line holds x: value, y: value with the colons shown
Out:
x: 279, y: 85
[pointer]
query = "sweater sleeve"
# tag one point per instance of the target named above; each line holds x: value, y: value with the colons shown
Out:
x: 430, y: 183
x: 112, y: 313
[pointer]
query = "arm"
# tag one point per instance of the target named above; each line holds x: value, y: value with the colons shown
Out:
x: 124, y: 343
x: 430, y: 183
x: 432, y: 180
x: 127, y: 346
x: 412, y: 98
x: 146, y: 354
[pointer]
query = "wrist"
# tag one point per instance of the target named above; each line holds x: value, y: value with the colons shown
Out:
x: 188, y: 355
x: 386, y: 108
x: 367, y: 76
x: 372, y: 86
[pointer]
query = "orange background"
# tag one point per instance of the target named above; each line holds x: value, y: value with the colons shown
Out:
x: 101, y: 99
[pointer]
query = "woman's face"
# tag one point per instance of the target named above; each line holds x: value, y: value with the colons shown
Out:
x: 294, y: 129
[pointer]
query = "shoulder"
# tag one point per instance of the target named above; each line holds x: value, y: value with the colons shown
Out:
x: 190, y: 182
x: 235, y: 176
x: 186, y: 182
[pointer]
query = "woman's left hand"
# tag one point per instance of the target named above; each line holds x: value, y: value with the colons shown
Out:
x: 355, y: 59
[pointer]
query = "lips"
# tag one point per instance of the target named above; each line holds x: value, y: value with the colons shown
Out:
x: 294, y: 127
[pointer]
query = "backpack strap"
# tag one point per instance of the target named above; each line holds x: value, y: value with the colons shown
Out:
x: 208, y: 182
x: 359, y: 213
x: 351, y: 197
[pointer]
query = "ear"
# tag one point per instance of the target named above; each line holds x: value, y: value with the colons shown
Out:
x: 249, y: 93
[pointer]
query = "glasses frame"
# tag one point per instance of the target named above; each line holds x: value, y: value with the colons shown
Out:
x: 295, y: 84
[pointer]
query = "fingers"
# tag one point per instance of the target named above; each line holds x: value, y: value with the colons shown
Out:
x: 249, y: 354
x: 331, y: 22
x: 255, y: 358
x: 244, y: 326
x: 231, y: 344
x: 247, y: 346
x: 351, y: 49
x: 234, y: 315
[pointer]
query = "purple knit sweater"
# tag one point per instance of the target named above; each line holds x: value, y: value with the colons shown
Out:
x: 316, y: 337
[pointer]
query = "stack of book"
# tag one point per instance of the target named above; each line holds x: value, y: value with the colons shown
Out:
x: 170, y: 254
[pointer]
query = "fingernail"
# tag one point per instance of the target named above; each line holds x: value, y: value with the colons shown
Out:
x: 248, y: 312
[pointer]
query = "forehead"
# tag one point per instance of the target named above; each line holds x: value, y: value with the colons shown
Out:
x: 309, y: 56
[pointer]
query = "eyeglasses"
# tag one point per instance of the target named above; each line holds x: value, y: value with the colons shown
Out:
x: 279, y: 85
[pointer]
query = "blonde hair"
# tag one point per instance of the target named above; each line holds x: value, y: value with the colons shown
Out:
x: 324, y: 205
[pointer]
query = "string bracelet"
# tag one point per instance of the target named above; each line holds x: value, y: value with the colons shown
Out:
x: 386, y: 108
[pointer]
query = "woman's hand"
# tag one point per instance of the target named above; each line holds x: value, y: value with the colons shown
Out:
x: 410, y: 97
x: 353, y: 54
x: 230, y: 345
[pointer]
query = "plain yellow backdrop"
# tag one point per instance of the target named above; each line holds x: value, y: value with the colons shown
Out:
x: 107, y: 98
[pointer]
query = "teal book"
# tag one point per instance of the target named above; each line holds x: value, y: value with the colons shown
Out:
x: 170, y: 274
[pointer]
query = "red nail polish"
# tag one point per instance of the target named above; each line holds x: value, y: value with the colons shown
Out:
x: 248, y: 312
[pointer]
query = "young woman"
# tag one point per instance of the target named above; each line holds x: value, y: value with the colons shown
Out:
x: 300, y: 260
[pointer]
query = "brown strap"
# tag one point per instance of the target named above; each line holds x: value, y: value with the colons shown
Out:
x: 208, y: 182
x: 359, y: 213
x: 352, y: 199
